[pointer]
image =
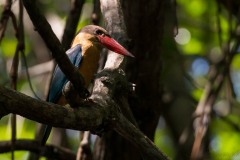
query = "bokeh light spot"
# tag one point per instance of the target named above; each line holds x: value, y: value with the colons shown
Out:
x: 183, y: 36
x: 200, y: 67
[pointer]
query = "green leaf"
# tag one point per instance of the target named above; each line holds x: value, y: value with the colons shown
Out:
x: 8, y: 47
x: 236, y: 62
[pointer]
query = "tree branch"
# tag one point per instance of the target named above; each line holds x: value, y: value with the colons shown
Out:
x: 72, y: 22
x: 48, y: 151
x: 4, y: 17
x: 115, y: 25
x: 84, y: 150
x: 131, y: 133
x: 58, y: 52
x: 96, y: 14
x: 95, y: 115
x: 89, y: 116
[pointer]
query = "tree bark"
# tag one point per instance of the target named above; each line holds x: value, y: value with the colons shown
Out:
x: 144, y: 21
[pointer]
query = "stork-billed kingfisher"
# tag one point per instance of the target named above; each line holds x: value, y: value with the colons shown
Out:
x: 84, y: 54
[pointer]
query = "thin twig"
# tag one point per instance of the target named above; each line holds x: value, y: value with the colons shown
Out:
x: 84, y: 150
x: 96, y: 14
x: 219, y: 28
x: 49, y: 151
x: 175, y: 32
x: 227, y: 120
x: 28, y: 75
x: 14, y: 77
x: 72, y: 22
x: 5, y: 16
x: 15, y: 63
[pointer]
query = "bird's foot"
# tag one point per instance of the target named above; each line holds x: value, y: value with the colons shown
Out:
x: 74, y: 97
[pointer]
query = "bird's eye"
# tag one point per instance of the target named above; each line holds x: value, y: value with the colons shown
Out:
x: 99, y: 32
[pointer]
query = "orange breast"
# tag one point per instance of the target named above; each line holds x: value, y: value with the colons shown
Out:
x: 90, y: 59
x: 89, y: 64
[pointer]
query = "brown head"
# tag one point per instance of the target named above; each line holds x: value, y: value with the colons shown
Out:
x: 100, y: 38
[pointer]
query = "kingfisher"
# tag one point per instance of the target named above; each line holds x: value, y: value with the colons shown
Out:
x: 84, y: 54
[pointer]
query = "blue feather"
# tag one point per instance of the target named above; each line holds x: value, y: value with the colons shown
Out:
x: 58, y: 82
x: 59, y: 79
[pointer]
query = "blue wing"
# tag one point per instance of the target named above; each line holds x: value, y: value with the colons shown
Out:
x: 59, y: 79
x: 58, y: 82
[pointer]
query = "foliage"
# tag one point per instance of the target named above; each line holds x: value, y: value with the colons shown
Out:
x: 201, y: 44
x: 203, y: 34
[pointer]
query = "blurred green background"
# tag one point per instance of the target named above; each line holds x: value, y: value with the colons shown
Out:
x: 198, y: 41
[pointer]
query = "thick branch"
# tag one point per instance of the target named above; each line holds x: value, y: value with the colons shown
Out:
x: 46, y: 32
x: 89, y: 116
x: 131, y: 133
x: 115, y: 25
x: 107, y: 85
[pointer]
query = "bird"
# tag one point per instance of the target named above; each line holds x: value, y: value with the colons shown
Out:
x: 84, y: 54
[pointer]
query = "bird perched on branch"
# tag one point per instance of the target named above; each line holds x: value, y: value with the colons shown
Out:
x: 84, y: 54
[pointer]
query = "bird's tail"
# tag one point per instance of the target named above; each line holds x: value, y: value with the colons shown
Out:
x: 46, y: 134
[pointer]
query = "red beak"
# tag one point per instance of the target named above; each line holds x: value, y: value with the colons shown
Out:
x: 113, y: 45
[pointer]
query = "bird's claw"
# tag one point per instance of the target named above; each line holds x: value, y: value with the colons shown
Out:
x: 84, y: 93
x: 73, y: 96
